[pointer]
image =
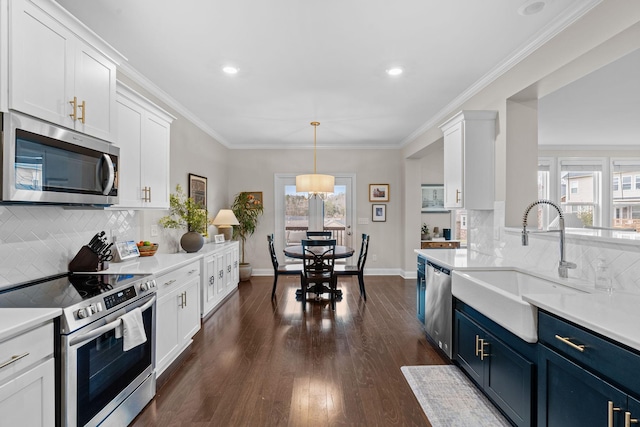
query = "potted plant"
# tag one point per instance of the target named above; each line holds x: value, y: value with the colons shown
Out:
x: 185, y: 212
x: 425, y: 232
x: 247, y: 210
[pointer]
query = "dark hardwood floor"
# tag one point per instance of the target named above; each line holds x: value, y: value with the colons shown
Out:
x: 258, y: 363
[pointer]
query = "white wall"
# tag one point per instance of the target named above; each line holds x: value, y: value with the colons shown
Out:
x: 253, y: 170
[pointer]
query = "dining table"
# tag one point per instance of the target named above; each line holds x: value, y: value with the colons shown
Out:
x: 297, y: 252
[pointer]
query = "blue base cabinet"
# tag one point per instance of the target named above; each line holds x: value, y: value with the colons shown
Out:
x: 484, y: 351
x: 584, y: 379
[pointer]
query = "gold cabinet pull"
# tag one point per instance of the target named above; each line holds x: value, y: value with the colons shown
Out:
x: 482, y: 353
x: 458, y: 196
x: 83, y: 107
x: 567, y: 341
x: 628, y: 420
x: 146, y: 191
x: 13, y: 359
x: 610, y: 410
x: 477, y: 347
x: 74, y: 115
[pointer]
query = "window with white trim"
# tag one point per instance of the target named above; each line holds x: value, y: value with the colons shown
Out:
x: 625, y: 199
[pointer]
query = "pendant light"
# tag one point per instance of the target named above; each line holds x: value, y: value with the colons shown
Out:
x: 316, y: 185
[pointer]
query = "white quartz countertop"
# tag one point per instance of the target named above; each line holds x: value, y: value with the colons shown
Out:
x: 161, y: 263
x: 615, y: 315
x: 14, y: 321
x: 455, y: 259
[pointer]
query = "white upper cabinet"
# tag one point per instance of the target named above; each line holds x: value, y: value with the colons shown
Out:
x: 469, y: 163
x: 144, y: 140
x: 56, y: 74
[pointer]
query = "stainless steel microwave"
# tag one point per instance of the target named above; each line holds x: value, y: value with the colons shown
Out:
x: 44, y: 163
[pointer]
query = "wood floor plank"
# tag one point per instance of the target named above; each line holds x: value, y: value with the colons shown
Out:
x: 258, y: 362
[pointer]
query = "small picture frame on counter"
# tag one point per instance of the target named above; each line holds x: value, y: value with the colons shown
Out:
x: 218, y: 238
x: 378, y: 213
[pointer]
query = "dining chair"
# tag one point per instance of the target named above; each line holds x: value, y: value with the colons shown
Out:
x: 287, y: 269
x: 358, y: 269
x: 318, y: 269
x: 321, y: 234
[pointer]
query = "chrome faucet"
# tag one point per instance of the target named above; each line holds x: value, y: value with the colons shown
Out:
x: 563, y: 265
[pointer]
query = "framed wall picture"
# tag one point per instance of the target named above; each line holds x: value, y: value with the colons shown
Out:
x: 198, y: 189
x: 433, y: 198
x: 257, y: 197
x: 378, y: 213
x: 378, y: 192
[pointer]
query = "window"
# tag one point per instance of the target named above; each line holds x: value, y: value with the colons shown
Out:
x: 625, y: 200
x: 574, y: 186
x: 580, y: 194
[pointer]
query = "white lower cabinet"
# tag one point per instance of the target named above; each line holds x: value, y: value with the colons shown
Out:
x: 220, y: 275
x: 178, y: 313
x: 27, y: 379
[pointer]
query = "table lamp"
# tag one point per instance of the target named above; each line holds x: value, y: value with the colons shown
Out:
x: 225, y: 220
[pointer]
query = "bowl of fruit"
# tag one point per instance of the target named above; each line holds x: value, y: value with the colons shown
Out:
x: 146, y: 248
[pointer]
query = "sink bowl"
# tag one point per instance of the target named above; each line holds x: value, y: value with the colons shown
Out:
x: 498, y: 295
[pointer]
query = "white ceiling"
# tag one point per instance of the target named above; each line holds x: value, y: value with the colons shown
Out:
x: 303, y: 60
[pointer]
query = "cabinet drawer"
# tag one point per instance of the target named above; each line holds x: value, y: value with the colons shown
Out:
x: 170, y: 280
x: 591, y: 351
x: 24, y: 350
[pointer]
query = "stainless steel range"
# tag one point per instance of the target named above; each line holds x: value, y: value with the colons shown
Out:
x: 98, y: 381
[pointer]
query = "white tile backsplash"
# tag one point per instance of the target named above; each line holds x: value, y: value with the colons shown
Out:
x: 543, y: 252
x: 39, y: 241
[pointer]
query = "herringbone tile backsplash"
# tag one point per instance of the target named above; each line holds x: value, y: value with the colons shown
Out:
x: 39, y: 241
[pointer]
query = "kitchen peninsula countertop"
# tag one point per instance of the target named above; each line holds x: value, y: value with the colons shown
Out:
x: 16, y: 320
x: 615, y: 315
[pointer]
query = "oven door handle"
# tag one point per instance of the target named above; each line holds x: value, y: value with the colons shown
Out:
x: 82, y: 339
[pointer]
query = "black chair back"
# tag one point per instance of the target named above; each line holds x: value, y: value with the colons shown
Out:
x: 272, y: 251
x: 319, y: 257
x: 364, y: 249
x: 320, y: 234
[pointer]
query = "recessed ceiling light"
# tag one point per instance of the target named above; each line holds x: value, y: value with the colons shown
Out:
x: 532, y: 7
x: 230, y: 70
x: 395, y: 71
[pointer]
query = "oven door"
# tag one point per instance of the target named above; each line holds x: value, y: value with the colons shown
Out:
x: 98, y: 376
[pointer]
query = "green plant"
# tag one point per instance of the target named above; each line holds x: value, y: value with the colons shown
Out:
x: 184, y: 212
x: 425, y: 228
x: 247, y: 210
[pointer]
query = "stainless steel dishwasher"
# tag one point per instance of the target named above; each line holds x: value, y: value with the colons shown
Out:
x: 438, y: 313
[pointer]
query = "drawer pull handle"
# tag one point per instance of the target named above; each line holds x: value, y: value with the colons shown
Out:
x: 477, y: 347
x: 14, y: 359
x: 628, y: 420
x: 610, y: 410
x: 567, y: 341
x: 170, y: 282
x: 193, y: 271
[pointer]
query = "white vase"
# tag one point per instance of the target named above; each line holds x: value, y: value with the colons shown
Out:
x: 192, y: 241
x: 245, y: 271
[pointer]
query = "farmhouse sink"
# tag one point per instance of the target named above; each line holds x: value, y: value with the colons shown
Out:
x: 497, y: 294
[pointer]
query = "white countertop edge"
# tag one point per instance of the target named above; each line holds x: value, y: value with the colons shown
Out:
x: 597, y: 312
x: 15, y: 321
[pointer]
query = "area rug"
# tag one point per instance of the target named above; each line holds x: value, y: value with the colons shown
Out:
x: 448, y: 397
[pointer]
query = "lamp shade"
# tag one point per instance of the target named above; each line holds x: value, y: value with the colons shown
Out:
x: 315, y: 183
x: 225, y: 217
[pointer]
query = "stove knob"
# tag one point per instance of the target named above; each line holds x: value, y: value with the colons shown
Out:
x: 84, y: 313
x: 98, y: 307
x: 144, y: 286
x: 153, y: 283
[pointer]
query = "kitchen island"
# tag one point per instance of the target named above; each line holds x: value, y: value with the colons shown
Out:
x: 579, y: 369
